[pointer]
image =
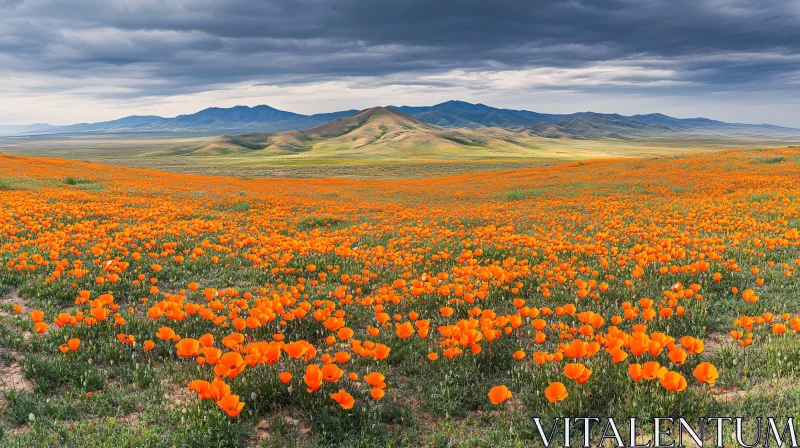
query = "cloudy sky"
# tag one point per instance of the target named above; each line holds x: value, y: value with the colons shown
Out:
x: 91, y: 60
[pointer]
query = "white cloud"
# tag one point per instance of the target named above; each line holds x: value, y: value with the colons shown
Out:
x: 631, y: 86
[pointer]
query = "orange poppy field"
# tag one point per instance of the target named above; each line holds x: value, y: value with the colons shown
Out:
x: 146, y: 308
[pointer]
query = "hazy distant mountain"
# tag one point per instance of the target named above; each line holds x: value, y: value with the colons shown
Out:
x: 590, y: 125
x: 600, y: 126
x: 211, y: 121
x: 460, y: 114
x: 25, y: 128
x: 450, y: 114
x: 581, y: 125
x: 239, y: 114
x: 128, y: 124
x: 678, y: 122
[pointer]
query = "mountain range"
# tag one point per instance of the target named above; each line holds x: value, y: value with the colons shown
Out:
x: 480, y: 119
x: 388, y: 132
x: 379, y: 131
x: 211, y: 121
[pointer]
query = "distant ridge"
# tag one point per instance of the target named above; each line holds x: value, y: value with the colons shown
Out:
x: 467, y: 115
x: 450, y: 114
x: 210, y: 121
x: 599, y: 126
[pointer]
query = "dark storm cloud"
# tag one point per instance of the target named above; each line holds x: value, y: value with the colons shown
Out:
x: 156, y: 48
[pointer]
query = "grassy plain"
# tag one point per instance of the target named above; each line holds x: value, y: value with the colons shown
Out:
x: 179, y: 154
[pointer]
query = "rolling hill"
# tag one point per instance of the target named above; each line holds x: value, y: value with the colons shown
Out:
x: 380, y: 132
x: 387, y: 132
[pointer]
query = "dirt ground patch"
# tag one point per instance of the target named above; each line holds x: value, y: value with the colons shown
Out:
x: 714, y: 342
x: 178, y: 397
x: 15, y: 299
x: 266, y: 431
x: 764, y: 388
x: 12, y: 378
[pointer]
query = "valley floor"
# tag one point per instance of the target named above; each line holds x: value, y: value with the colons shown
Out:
x: 177, y: 154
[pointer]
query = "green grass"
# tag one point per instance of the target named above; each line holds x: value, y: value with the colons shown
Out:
x: 522, y: 194
x: 7, y: 185
x: 76, y: 181
x: 772, y: 160
x: 240, y: 207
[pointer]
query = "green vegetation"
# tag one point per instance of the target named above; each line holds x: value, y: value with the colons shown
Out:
x: 73, y: 181
x: 518, y: 195
x: 240, y: 207
x: 6, y: 184
x: 313, y: 222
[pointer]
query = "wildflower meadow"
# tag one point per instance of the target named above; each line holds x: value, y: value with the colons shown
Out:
x: 146, y: 308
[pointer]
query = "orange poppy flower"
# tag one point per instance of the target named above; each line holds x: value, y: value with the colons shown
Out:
x: 452, y: 352
x: 574, y: 371
x: 313, y: 377
x: 212, y: 355
x: 73, y: 343
x: 673, y: 381
x: 331, y: 373
x: 202, y: 388
x: 577, y: 372
x: 618, y: 355
x: 285, y: 377
x: 296, y: 349
x: 344, y: 399
x: 404, y: 330
x: 375, y: 379
x: 37, y: 316
x: 677, y: 355
x: 233, y: 340
x: 499, y: 394
x: 187, y: 347
x: 576, y: 349
x: 165, y: 333
x: 653, y: 370
x: 218, y: 389
x: 206, y: 340
x: 636, y: 372
x: 345, y: 333
x: 692, y: 345
x: 341, y: 357
x: 382, y: 351
x: 377, y: 393
x: 230, y: 365
x: 556, y: 392
x: 705, y: 372
x: 231, y: 405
